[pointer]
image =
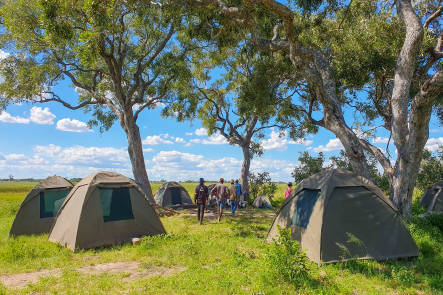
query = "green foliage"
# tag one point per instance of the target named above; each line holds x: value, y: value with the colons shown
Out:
x: 286, y: 260
x: 309, y: 165
x: 116, y: 53
x: 261, y: 184
x: 431, y: 169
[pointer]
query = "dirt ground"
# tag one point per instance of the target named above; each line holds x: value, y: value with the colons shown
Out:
x: 133, y: 268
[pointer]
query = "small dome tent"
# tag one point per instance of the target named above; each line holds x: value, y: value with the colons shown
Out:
x: 432, y: 199
x: 104, y: 209
x: 172, y: 194
x: 38, y: 210
x: 262, y: 202
x: 337, y: 215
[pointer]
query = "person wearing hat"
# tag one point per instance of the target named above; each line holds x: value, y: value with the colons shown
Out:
x: 233, y: 197
x: 222, y: 192
x: 200, y: 198
x: 288, y: 191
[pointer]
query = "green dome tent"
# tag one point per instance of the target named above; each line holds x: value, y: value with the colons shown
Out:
x: 262, y: 202
x: 337, y: 216
x: 104, y: 209
x: 172, y: 194
x: 38, y: 210
x: 432, y: 199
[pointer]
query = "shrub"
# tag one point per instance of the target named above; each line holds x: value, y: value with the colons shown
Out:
x: 285, y: 258
x: 260, y: 184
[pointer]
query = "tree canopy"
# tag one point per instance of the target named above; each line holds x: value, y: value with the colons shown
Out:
x: 122, y: 57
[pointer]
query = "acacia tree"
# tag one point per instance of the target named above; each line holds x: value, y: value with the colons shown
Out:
x: 337, y: 52
x: 119, y: 55
x: 252, y: 96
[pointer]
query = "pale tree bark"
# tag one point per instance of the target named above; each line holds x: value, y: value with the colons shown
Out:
x: 135, y: 151
x: 245, y: 167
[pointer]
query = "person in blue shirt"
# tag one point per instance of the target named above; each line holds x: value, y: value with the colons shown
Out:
x: 238, y: 192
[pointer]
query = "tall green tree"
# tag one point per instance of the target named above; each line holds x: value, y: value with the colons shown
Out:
x: 309, y: 165
x: 122, y: 57
x: 252, y: 95
x: 342, y: 50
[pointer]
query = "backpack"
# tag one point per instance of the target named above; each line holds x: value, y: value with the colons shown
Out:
x: 201, y: 194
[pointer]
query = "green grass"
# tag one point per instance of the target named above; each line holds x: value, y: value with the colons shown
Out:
x: 220, y: 258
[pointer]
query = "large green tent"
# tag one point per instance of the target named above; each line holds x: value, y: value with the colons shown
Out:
x: 39, y: 208
x: 432, y: 199
x: 337, y: 215
x: 172, y: 194
x: 104, y: 209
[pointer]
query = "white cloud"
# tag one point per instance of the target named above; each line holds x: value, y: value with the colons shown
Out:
x: 280, y: 142
x: 211, y: 140
x: 38, y: 115
x: 189, y: 133
x: 436, y: 130
x: 434, y: 144
x: 176, y: 165
x: 15, y: 157
x: 74, y: 161
x: 201, y: 132
x: 3, y: 54
x: 72, y: 125
x: 179, y: 140
x: 42, y: 116
x: 332, y: 145
x: 157, y: 139
x: 378, y: 139
x: 8, y: 118
x: 80, y: 161
x: 148, y: 150
x: 215, y: 139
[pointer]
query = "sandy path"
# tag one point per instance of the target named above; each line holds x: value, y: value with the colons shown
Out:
x: 135, y: 269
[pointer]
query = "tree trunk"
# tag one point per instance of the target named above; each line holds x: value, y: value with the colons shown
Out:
x: 408, y: 163
x: 245, y: 167
x: 351, y: 143
x: 135, y: 151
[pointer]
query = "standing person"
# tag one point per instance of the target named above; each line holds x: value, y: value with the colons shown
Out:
x: 222, y: 193
x: 200, y: 198
x: 238, y: 192
x: 288, y: 191
x: 233, y: 197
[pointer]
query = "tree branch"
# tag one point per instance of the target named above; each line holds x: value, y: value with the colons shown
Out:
x: 433, y: 16
x: 56, y: 98
x: 378, y: 154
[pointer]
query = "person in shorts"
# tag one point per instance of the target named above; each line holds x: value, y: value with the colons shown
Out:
x: 200, y: 198
x: 222, y: 193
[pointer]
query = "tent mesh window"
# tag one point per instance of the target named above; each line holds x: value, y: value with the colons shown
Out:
x: 303, y: 209
x: 116, y: 204
x: 175, y: 195
x: 50, y: 202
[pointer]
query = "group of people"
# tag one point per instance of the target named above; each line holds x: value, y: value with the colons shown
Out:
x: 223, y: 194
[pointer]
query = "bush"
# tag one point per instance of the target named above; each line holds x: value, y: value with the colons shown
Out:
x: 431, y: 169
x: 260, y: 184
x: 285, y: 258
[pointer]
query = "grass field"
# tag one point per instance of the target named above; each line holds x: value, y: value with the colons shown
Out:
x: 230, y: 257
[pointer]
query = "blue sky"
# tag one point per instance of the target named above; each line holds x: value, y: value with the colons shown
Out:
x: 46, y: 139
